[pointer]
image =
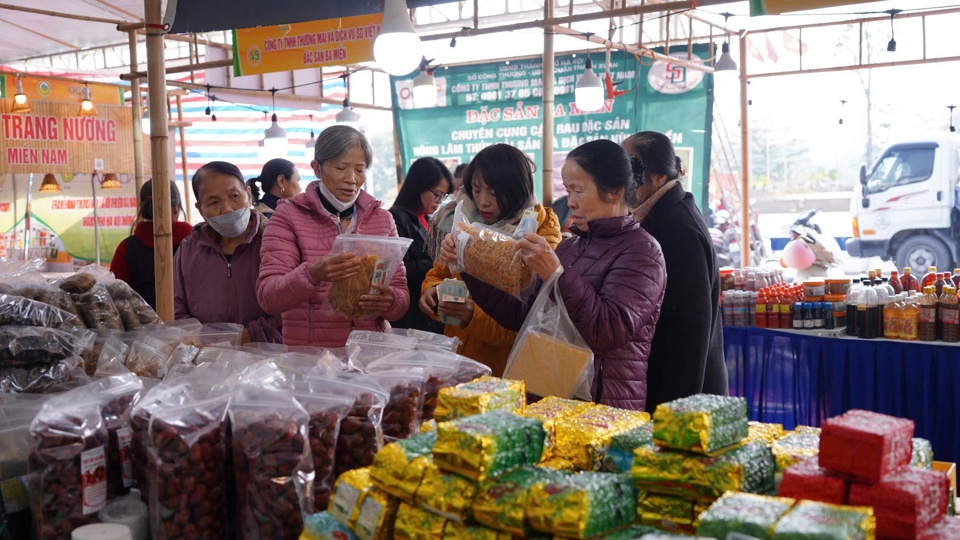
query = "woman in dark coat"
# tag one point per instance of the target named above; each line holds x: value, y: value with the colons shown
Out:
x: 687, y: 353
x: 613, y: 273
x: 427, y: 183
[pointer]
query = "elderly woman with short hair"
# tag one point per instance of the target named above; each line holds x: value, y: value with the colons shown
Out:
x: 297, y: 267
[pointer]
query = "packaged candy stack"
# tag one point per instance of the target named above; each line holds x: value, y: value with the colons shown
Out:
x: 865, y: 460
x: 598, y: 438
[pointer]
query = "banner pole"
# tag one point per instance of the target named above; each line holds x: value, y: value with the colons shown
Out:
x: 744, y: 158
x: 546, y: 169
x: 135, y: 99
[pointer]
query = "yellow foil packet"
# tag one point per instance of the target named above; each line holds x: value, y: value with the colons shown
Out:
x: 767, y: 433
x: 501, y: 502
x: 664, y: 510
x: 350, y: 487
x: 748, y: 468
x: 481, y: 395
x: 486, y: 445
x: 583, y: 505
x: 414, y: 523
x: 428, y: 426
x: 460, y: 531
x: 446, y: 494
x: 808, y: 519
x: 550, y: 410
x: 583, y: 439
x: 399, y: 466
x: 794, y: 448
x: 703, y: 423
x: 376, y: 513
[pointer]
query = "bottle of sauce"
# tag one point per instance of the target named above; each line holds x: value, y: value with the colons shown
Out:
x: 883, y: 298
x: 928, y: 315
x: 773, y: 309
x: 786, y: 310
x: 950, y: 315
x: 752, y: 299
x: 729, y: 311
x: 872, y: 315
x: 854, y: 296
x: 760, y: 310
x: 817, y: 309
x: 829, y: 323
x: 798, y: 316
x: 910, y: 319
x: 908, y: 281
x: 941, y: 281
x: 891, y: 318
x: 895, y: 282
x: 929, y: 279
x: 872, y: 274
x: 956, y: 278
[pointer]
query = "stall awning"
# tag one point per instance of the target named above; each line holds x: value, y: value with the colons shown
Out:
x: 185, y: 16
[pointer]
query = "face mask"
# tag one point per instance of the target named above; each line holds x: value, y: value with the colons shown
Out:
x: 232, y: 224
x: 334, y: 201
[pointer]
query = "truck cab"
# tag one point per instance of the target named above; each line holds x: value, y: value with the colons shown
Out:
x: 906, y: 206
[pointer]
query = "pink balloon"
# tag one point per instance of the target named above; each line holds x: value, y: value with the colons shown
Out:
x: 797, y: 254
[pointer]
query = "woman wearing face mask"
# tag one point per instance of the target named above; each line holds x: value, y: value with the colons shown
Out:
x: 278, y: 180
x: 216, y: 267
x: 686, y: 357
x: 298, y: 268
x: 427, y: 183
x: 497, y: 188
x: 613, y: 273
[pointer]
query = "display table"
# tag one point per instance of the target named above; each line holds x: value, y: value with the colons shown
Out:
x: 795, y: 378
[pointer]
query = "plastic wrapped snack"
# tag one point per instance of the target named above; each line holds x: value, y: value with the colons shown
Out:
x: 322, y: 526
x: 273, y: 468
x: 17, y: 310
x: 398, y: 467
x: 808, y: 480
x: 583, y: 440
x: 365, y: 346
x: 486, y: 445
x: 165, y: 394
x: 582, y: 505
x: 414, y: 523
x: 446, y: 494
x: 454, y: 530
x: 376, y: 514
x: 768, y: 433
x: 550, y: 410
x: 748, y: 468
x: 922, y: 455
x: 68, y: 466
x: 35, y: 359
x: 703, y: 423
x: 906, y: 502
x: 401, y: 413
x: 361, y: 434
x: 347, y: 492
x: 134, y: 310
x: 501, y: 502
x: 668, y: 511
x: 619, y: 455
x: 794, y: 448
x: 865, y: 445
x: 97, y: 309
x: 489, y: 255
x: 482, y: 395
x: 214, y: 335
x: 442, y: 370
x: 380, y: 256
x: 147, y: 356
x: 810, y: 520
x: 187, y: 452
x: 752, y: 515
x: 947, y: 528
x: 116, y: 395
x: 633, y: 532
x: 104, y: 338
x: 428, y: 341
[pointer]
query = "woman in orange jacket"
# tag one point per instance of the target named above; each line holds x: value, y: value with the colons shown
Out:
x: 497, y: 189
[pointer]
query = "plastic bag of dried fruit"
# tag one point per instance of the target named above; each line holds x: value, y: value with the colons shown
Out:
x: 133, y: 310
x: 489, y: 254
x: 361, y: 434
x: 68, y: 466
x: 272, y: 462
x: 187, y: 451
x: 18, y: 310
x: 402, y: 412
x: 35, y: 359
x: 428, y: 341
x: 50, y: 294
x: 442, y: 369
x: 365, y: 346
x: 380, y: 257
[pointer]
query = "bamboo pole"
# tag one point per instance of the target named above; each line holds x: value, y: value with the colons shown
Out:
x: 135, y: 99
x: 641, y: 51
x: 60, y: 15
x: 548, y: 99
x: 744, y: 159
x: 162, y: 239
x: 183, y: 158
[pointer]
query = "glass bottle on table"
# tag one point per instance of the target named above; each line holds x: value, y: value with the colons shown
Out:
x: 891, y: 317
x: 950, y: 315
x: 895, y: 282
x: 908, y: 281
x: 854, y: 297
x: 871, y: 314
x: 956, y: 278
x: 883, y: 298
x: 910, y: 319
x: 929, y: 279
x: 872, y: 274
x: 941, y: 281
x: 929, y: 305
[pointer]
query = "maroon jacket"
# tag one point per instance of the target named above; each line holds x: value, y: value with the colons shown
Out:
x: 612, y: 286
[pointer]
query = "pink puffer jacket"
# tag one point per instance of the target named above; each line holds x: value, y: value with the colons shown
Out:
x: 300, y: 232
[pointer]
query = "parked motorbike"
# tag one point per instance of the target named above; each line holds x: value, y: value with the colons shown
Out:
x: 810, y: 252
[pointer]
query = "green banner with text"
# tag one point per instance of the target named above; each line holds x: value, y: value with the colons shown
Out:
x: 485, y: 104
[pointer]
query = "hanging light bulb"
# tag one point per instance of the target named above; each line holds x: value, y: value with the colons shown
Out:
x: 397, y: 49
x: 110, y: 181
x: 892, y: 44
x: 213, y: 101
x: 725, y: 63
x: 348, y: 116
x: 308, y: 147
x: 274, y: 136
x: 145, y: 121
x: 20, y: 103
x: 842, y: 103
x: 589, y: 93
x: 424, y: 88
x: 86, y: 105
x: 50, y: 184
x: 952, y: 128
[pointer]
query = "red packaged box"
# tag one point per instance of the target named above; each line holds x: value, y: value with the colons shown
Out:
x: 947, y: 528
x: 865, y: 445
x: 905, y: 503
x: 808, y: 480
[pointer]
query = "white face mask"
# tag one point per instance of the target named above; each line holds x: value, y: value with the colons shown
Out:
x: 232, y: 224
x: 334, y: 201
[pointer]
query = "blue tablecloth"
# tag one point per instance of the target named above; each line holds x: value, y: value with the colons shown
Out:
x: 790, y: 379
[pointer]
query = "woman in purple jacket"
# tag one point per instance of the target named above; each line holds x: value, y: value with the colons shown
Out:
x: 215, y: 270
x: 613, y: 272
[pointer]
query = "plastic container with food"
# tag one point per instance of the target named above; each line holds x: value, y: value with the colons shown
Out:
x: 380, y: 256
x: 837, y: 286
x: 813, y: 288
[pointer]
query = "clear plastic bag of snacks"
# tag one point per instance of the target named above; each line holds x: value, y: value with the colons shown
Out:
x: 365, y: 346
x: 380, y: 257
x: 489, y: 255
x: 20, y: 311
x: 35, y: 359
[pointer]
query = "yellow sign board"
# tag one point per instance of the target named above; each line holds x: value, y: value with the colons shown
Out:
x: 288, y: 47
x: 38, y: 88
x: 776, y: 7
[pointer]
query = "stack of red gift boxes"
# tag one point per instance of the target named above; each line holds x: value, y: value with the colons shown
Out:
x: 864, y: 461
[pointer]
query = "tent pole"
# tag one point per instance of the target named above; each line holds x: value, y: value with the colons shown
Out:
x: 183, y: 160
x: 136, y: 101
x: 548, y: 100
x: 744, y: 159
x: 159, y: 150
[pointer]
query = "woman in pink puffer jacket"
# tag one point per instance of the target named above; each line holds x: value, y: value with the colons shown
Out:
x: 297, y: 268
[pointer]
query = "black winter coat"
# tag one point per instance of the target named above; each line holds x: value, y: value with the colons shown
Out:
x: 686, y: 357
x: 417, y: 262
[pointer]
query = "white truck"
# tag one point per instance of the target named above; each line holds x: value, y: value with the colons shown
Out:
x: 907, y: 207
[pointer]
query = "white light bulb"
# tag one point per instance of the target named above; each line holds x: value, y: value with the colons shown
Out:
x: 397, y: 49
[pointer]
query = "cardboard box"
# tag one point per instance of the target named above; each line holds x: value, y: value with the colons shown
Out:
x: 950, y: 469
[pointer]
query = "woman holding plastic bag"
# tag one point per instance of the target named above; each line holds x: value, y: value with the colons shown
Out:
x: 333, y: 238
x: 610, y: 276
x: 497, y: 193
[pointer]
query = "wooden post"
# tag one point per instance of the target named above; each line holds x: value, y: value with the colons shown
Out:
x: 183, y: 161
x: 744, y: 159
x: 162, y: 239
x: 546, y: 168
x: 136, y: 98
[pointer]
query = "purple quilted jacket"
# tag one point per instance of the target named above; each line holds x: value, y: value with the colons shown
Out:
x: 612, y: 286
